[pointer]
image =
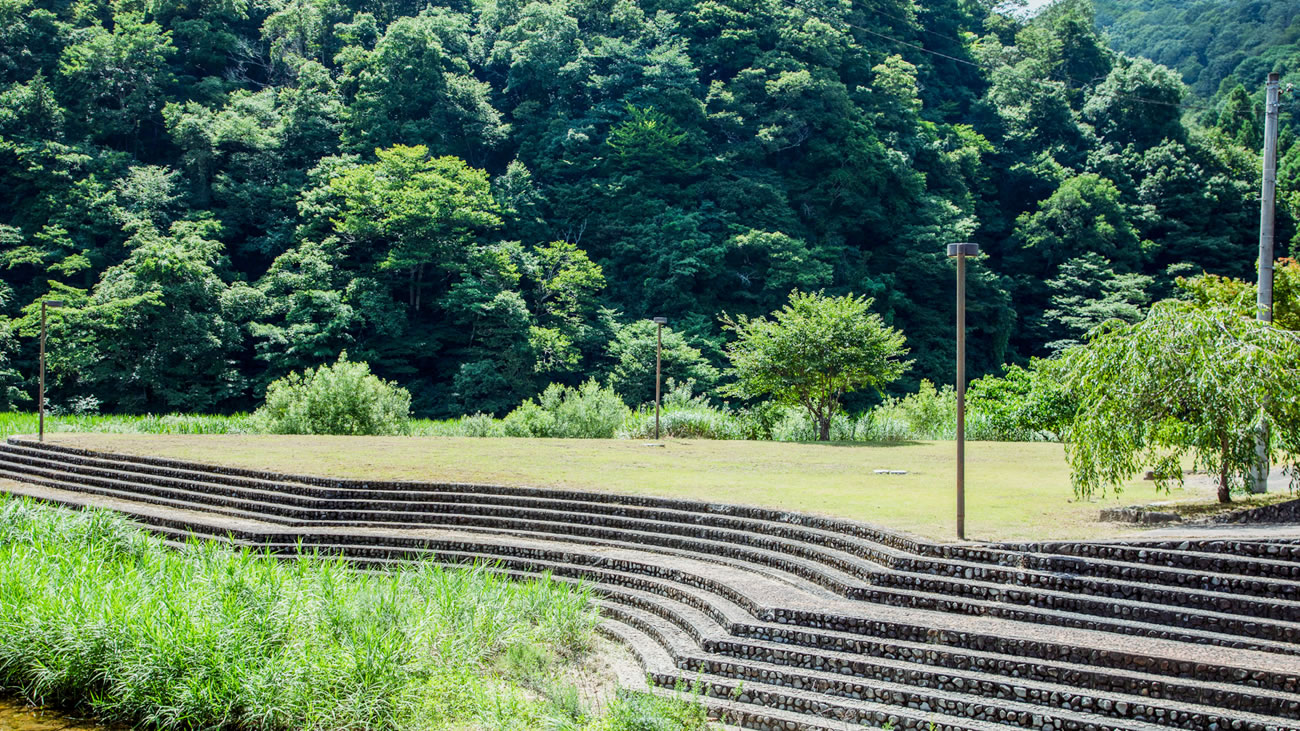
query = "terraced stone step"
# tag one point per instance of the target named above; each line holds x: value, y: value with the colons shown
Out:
x: 984, y: 698
x: 931, y: 599
x: 798, y: 709
x: 725, y: 627
x: 935, y: 668
x: 904, y: 548
x: 1065, y: 596
x: 389, y: 554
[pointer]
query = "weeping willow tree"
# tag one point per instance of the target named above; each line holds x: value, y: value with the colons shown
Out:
x: 1186, y: 381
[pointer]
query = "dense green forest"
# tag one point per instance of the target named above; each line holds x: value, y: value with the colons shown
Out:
x: 483, y: 197
x: 1214, y: 44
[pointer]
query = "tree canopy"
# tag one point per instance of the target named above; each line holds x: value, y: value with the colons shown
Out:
x: 1186, y: 380
x: 813, y: 352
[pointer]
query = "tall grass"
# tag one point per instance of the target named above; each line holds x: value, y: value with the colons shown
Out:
x: 27, y: 423
x: 929, y: 414
x: 98, y: 616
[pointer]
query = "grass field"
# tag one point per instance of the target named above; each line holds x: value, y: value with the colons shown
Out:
x: 1014, y: 490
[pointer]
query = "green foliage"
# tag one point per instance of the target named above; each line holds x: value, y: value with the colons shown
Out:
x: 1183, y: 381
x: 476, y: 198
x: 421, y: 210
x: 214, y: 638
x: 1212, y: 290
x: 1207, y: 43
x: 586, y: 412
x: 157, y: 332
x: 1087, y: 292
x: 1083, y: 216
x: 1024, y: 404
x: 343, y: 398
x: 633, y: 351
x: 813, y: 352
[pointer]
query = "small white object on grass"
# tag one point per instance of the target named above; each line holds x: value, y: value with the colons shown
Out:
x: 654, y: 444
x: 891, y: 472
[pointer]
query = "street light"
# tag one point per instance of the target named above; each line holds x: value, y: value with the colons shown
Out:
x: 961, y: 251
x: 40, y: 397
x: 659, y: 356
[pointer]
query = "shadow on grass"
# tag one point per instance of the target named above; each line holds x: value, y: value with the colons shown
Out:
x: 874, y: 445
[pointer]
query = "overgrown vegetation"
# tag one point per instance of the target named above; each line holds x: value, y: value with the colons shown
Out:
x: 97, y: 616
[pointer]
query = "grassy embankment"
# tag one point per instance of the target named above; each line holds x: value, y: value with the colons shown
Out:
x: 1014, y: 490
x: 98, y: 616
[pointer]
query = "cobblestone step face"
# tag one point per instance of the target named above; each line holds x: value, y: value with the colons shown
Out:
x: 1230, y: 593
x: 704, y: 585
x: 880, y: 585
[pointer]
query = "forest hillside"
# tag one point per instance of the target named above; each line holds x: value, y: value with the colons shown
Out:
x: 486, y: 196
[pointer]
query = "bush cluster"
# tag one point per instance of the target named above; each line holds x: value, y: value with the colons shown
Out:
x: 344, y: 398
x: 589, y: 411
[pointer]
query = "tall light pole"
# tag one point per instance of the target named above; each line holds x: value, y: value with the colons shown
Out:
x: 659, y: 357
x: 40, y: 397
x: 961, y: 251
x: 1264, y: 300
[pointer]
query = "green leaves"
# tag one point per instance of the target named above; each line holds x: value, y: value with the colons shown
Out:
x: 812, y: 352
x: 1184, y: 381
x: 424, y: 209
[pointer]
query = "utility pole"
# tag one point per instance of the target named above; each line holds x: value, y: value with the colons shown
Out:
x: 1264, y: 301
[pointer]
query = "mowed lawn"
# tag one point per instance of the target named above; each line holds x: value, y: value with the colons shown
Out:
x: 1013, y: 490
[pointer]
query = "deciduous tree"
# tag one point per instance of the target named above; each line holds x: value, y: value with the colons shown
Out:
x: 1186, y: 381
x: 812, y: 352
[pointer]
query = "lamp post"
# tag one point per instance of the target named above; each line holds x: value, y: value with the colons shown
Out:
x: 40, y: 397
x: 961, y: 251
x: 659, y: 356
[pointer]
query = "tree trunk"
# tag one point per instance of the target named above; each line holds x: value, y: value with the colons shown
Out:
x: 1224, y: 496
x: 824, y: 429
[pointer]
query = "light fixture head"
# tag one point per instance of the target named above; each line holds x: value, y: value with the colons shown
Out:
x: 53, y: 303
x: 661, y: 320
x: 966, y: 249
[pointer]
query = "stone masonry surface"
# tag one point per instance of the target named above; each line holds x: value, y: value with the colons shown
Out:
x: 784, y: 620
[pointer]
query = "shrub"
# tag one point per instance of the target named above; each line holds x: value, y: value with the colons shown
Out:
x: 1024, y: 404
x: 345, y: 398
x: 929, y: 413
x: 586, y: 412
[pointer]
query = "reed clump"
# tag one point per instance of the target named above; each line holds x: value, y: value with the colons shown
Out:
x: 98, y: 616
